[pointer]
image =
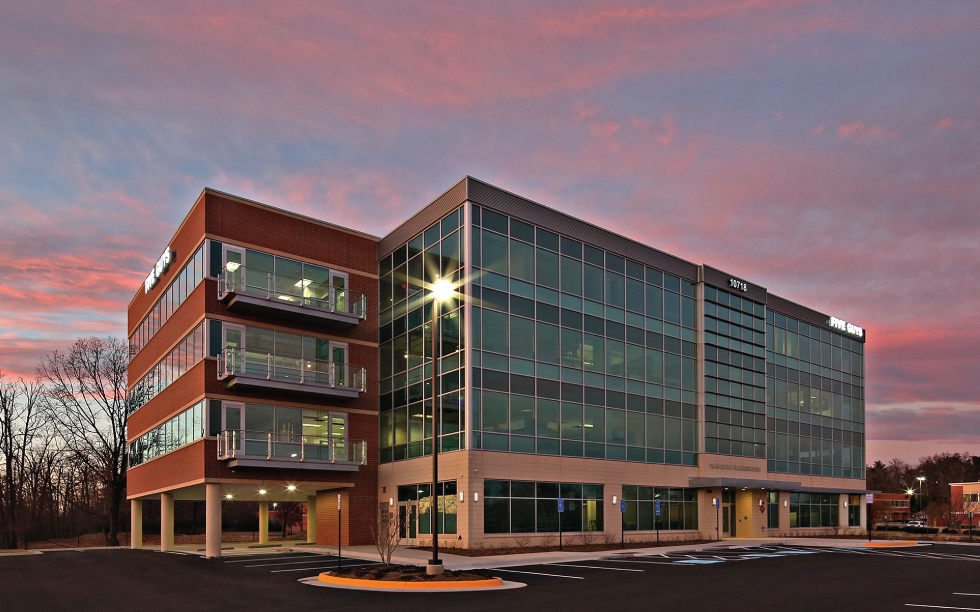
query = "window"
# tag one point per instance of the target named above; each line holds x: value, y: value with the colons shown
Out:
x: 532, y: 507
x: 813, y: 509
x: 678, y: 508
x: 854, y: 511
x: 178, y: 431
x: 182, y: 286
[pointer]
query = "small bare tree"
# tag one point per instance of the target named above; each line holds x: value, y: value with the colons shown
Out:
x: 288, y: 514
x: 522, y: 541
x: 386, y: 533
x: 20, y: 426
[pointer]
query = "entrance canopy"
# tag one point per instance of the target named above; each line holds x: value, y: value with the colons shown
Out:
x: 252, y: 490
x: 776, y: 485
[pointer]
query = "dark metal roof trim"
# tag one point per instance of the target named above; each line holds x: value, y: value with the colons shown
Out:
x: 807, y: 315
x: 439, y: 208
x: 721, y: 280
x: 511, y: 204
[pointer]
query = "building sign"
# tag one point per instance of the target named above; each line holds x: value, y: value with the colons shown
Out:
x: 736, y: 468
x: 844, y: 326
x: 162, y: 265
x: 737, y: 284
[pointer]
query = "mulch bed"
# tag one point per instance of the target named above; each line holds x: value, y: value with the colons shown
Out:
x: 408, y: 573
x: 516, y: 550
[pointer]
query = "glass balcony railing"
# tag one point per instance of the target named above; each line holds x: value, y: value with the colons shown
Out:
x: 233, y: 361
x: 271, y: 445
x: 302, y: 292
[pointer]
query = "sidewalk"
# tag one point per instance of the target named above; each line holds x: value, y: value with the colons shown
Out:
x: 407, y: 556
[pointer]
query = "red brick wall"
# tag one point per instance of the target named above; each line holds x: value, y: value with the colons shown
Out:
x: 184, y: 244
x: 179, y: 466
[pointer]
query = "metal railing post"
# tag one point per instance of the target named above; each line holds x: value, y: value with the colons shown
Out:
x: 302, y: 448
x: 269, y: 447
x: 332, y: 298
x: 268, y: 286
x: 268, y: 366
x: 234, y: 442
x: 302, y: 370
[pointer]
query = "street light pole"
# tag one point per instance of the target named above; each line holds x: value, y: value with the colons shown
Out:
x: 441, y: 290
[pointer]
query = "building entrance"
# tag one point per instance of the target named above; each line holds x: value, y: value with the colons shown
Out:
x: 728, y: 514
x: 408, y: 517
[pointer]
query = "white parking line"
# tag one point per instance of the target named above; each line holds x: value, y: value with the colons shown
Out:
x: 497, y: 569
x: 941, y: 607
x: 308, y: 556
x: 290, y: 563
x: 646, y: 562
x: 971, y: 594
x: 613, y: 569
x: 308, y: 569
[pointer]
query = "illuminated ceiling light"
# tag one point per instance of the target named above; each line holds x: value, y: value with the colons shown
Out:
x: 231, y: 266
x: 442, y: 290
x: 310, y: 425
x: 228, y: 496
x: 287, y: 298
x: 293, y: 455
x: 262, y: 491
x: 291, y: 487
x: 303, y: 283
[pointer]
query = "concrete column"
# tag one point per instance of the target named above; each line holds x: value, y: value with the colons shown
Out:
x: 311, y: 519
x: 136, y: 523
x: 263, y: 522
x: 167, y: 521
x: 212, y: 520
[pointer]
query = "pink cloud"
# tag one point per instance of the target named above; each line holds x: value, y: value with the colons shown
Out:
x: 817, y: 130
x: 944, y: 123
x: 670, y: 128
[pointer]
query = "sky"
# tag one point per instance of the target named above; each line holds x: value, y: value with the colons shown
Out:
x: 829, y: 151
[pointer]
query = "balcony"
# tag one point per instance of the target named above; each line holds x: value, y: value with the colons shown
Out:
x: 244, y: 369
x: 243, y: 448
x: 299, y: 300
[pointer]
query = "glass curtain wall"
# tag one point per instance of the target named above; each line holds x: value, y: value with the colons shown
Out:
x: 678, y: 508
x: 734, y: 374
x: 577, y: 351
x: 406, y: 344
x: 815, y: 400
x: 532, y: 507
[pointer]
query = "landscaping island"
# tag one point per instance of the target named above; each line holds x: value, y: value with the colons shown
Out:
x: 409, y: 577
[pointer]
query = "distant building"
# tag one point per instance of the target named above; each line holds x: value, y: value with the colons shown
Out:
x: 964, y: 499
x: 897, y: 507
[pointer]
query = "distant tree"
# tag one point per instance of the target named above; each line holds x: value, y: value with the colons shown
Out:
x: 21, y: 424
x: 288, y: 514
x: 85, y: 397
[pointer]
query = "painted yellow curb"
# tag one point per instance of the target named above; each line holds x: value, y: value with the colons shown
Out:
x: 399, y: 585
x: 887, y: 544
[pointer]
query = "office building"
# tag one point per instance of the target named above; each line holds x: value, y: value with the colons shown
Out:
x: 576, y: 369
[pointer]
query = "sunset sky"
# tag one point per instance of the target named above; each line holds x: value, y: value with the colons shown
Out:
x: 827, y: 151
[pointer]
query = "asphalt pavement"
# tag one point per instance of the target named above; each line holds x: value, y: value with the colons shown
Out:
x: 756, y: 577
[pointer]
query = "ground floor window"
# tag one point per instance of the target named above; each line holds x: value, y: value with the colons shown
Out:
x: 678, y: 508
x: 854, y: 511
x: 415, y: 507
x: 773, y: 510
x: 812, y: 509
x: 514, y: 506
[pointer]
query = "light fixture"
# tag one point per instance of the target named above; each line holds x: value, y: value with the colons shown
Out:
x: 462, y: 497
x: 442, y: 289
x: 614, y: 500
x: 845, y: 503
x: 262, y: 491
x: 785, y: 503
x: 476, y: 497
x: 909, y: 491
x: 293, y: 455
x: 231, y: 266
x: 291, y: 487
x: 228, y: 496
x: 303, y: 283
x: 391, y: 501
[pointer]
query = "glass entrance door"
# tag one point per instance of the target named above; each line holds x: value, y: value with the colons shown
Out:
x: 408, y: 517
x: 234, y: 260
x: 728, y: 519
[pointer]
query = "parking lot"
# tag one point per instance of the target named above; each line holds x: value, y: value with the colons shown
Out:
x: 719, y: 578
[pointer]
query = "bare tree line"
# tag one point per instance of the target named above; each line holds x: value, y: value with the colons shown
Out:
x: 63, y: 450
